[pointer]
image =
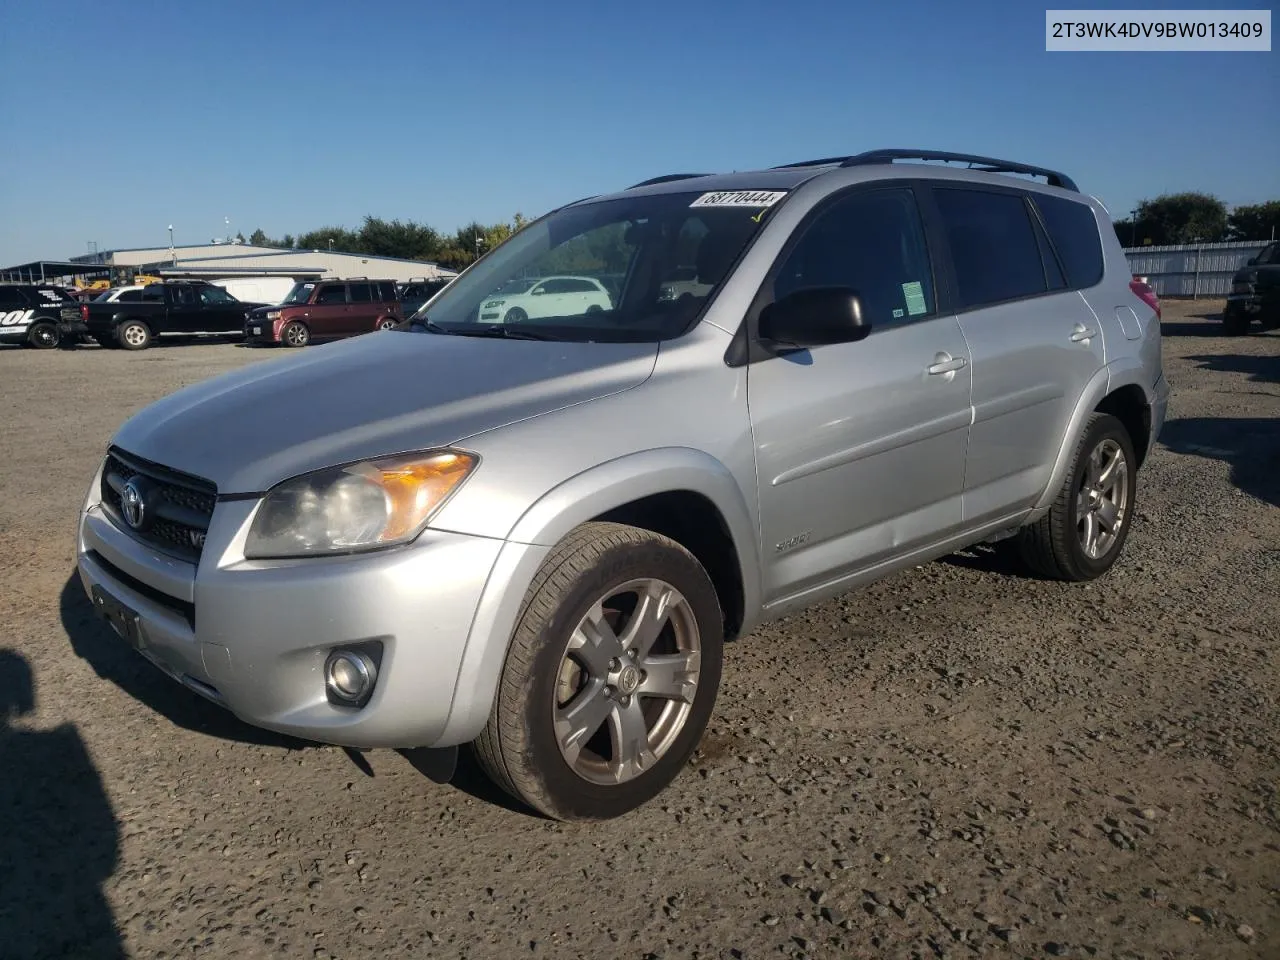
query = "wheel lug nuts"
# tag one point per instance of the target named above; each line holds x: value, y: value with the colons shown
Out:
x: 615, y: 663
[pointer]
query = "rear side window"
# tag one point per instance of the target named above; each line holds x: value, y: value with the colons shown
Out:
x: 361, y: 292
x: 873, y: 243
x: 993, y: 246
x: 1074, y: 232
x: 336, y: 293
x: 386, y: 291
x: 11, y: 297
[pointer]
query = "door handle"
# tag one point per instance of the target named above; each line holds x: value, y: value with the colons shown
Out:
x: 1083, y: 334
x: 945, y: 363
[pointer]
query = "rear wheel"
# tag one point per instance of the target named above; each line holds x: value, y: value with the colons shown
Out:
x: 1235, y: 324
x: 295, y: 334
x: 133, y: 335
x: 610, y: 678
x: 389, y: 323
x: 1081, y: 536
x: 44, y: 335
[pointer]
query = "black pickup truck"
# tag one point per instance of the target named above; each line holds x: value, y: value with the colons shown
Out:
x: 176, y: 306
x: 1255, y: 294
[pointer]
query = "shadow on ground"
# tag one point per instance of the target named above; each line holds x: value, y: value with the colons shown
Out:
x: 1196, y: 325
x: 1259, y: 369
x: 1250, y: 445
x: 60, y: 840
x: 99, y: 646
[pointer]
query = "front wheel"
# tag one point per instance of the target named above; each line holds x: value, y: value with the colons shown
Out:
x: 610, y: 678
x: 1081, y: 536
x: 515, y: 315
x: 44, y: 335
x: 133, y: 335
x: 295, y: 334
x: 388, y: 323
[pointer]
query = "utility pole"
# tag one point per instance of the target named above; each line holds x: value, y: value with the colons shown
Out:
x: 173, y: 261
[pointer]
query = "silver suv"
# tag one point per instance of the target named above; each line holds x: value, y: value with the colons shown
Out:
x: 537, y: 535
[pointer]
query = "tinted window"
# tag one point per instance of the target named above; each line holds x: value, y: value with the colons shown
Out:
x: 361, y: 292
x: 386, y: 291
x: 1270, y: 254
x: 873, y: 243
x: 11, y: 297
x: 337, y: 293
x: 1074, y: 232
x: 578, y: 286
x: 153, y: 294
x: 183, y: 296
x: 992, y: 244
x: 131, y: 296
x: 214, y: 295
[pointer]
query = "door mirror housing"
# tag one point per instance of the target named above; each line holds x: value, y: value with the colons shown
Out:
x: 814, y: 317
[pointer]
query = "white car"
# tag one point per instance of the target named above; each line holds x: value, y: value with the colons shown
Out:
x: 541, y: 297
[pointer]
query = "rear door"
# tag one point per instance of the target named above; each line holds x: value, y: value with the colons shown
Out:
x: 1034, y: 342
x: 328, y: 314
x: 363, y: 308
x: 185, y: 313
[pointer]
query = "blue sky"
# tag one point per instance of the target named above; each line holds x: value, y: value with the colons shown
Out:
x: 293, y: 115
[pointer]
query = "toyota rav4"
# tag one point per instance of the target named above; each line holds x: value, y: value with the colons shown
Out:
x: 536, y: 537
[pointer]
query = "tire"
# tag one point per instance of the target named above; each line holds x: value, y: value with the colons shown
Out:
x: 1054, y: 546
x: 388, y: 323
x: 44, y: 335
x: 592, y: 571
x: 1235, y: 324
x: 133, y: 335
x: 515, y: 315
x: 295, y: 334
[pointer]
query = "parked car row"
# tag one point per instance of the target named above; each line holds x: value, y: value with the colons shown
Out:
x: 131, y: 317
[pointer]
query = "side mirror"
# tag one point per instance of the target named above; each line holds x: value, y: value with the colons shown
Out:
x: 814, y: 317
x: 1251, y: 262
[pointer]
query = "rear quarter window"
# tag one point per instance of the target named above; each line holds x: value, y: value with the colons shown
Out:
x: 1074, y: 232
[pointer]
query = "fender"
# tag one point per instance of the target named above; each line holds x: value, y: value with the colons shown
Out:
x: 1108, y: 379
x: 547, y: 521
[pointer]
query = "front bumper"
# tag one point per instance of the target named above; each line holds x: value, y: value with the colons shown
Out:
x: 268, y: 331
x: 253, y: 636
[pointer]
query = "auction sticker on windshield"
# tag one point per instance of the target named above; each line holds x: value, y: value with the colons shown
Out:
x: 739, y: 198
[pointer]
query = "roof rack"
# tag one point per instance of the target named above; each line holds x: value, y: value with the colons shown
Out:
x: 985, y: 164
x: 667, y: 179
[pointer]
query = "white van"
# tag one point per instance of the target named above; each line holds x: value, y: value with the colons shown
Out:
x: 268, y: 290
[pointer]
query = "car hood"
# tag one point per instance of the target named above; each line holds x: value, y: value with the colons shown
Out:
x: 373, y: 395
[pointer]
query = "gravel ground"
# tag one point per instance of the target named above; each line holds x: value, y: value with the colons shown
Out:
x: 955, y: 762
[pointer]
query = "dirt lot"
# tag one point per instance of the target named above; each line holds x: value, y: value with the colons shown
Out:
x: 955, y: 762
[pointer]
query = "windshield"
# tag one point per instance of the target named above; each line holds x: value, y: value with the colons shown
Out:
x: 605, y: 270
x: 300, y: 293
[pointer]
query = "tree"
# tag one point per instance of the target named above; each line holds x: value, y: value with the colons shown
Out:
x: 409, y: 241
x: 259, y: 239
x: 1259, y: 221
x: 342, y: 239
x: 287, y: 241
x: 239, y: 236
x: 1180, y: 218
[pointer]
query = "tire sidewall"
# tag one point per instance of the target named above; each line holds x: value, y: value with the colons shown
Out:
x: 515, y: 315
x: 575, y: 797
x: 120, y: 338
x: 36, y: 343
x: 1102, y: 427
x: 292, y: 324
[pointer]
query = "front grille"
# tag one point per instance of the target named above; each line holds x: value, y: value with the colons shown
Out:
x: 177, y: 506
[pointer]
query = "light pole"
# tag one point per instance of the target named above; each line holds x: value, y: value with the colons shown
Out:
x: 331, y: 243
x: 479, y: 241
x: 173, y: 262
x: 1133, y: 222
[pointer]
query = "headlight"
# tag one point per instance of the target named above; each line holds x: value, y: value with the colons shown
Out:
x: 494, y: 303
x: 273, y: 314
x: 362, y: 506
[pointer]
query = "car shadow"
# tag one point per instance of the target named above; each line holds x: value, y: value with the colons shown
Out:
x: 96, y: 643
x: 1000, y: 559
x: 1196, y: 325
x: 1249, y: 445
x: 61, y: 839
x: 1259, y: 369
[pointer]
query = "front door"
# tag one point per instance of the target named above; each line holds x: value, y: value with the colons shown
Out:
x: 860, y: 447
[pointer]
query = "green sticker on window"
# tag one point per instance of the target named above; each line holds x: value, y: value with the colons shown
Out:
x: 915, y: 298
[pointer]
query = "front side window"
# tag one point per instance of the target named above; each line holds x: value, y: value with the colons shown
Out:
x: 214, y: 295
x: 872, y: 243
x: 1270, y: 255
x: 155, y: 294
x: 993, y: 246
x: 629, y: 247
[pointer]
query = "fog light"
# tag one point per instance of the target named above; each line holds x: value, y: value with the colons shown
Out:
x: 350, y: 676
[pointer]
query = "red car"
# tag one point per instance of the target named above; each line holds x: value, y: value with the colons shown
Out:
x: 326, y: 310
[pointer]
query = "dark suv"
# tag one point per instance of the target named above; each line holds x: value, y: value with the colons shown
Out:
x: 418, y: 291
x: 326, y: 310
x: 30, y: 314
x: 1255, y: 294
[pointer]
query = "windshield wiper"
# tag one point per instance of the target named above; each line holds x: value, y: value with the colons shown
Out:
x: 428, y: 325
x: 502, y: 331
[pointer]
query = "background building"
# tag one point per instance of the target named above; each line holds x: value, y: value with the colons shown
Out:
x: 233, y: 259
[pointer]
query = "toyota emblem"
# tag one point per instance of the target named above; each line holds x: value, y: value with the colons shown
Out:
x: 132, y: 504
